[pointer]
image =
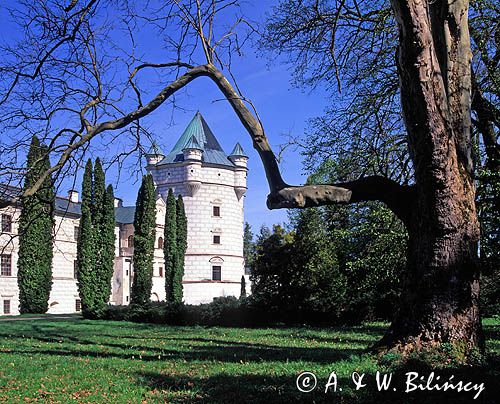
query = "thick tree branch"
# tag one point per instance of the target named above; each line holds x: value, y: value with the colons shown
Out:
x: 374, y: 188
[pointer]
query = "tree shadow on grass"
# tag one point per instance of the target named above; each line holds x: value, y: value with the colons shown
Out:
x: 252, y: 388
x: 224, y: 351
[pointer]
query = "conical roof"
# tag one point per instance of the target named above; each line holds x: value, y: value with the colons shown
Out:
x: 238, y: 151
x: 199, y: 131
x: 192, y: 144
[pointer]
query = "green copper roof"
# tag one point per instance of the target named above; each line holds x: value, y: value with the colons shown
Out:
x: 238, y: 151
x: 192, y: 144
x: 199, y: 130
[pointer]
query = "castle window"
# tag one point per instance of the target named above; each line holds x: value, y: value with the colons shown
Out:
x: 5, y: 265
x: 216, y: 273
x: 216, y: 211
x: 161, y: 272
x: 160, y: 243
x: 6, y: 307
x: 76, y: 233
x: 130, y: 241
x: 78, y: 305
x: 6, y: 223
x: 216, y: 239
x: 75, y: 269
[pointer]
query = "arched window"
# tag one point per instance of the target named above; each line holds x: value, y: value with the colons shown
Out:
x: 160, y: 243
x: 130, y: 241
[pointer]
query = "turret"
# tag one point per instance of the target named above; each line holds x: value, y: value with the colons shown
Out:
x: 240, y: 160
x: 192, y: 156
x: 154, y: 155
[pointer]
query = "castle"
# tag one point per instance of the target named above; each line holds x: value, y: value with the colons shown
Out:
x: 212, y: 184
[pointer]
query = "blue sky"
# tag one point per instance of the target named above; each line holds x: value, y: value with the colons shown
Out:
x: 264, y: 80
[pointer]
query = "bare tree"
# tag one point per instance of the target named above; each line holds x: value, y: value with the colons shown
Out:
x: 60, y: 65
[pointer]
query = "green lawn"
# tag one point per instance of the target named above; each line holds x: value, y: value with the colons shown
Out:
x: 74, y: 360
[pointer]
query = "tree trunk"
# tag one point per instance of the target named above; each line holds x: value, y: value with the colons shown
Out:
x: 440, y: 295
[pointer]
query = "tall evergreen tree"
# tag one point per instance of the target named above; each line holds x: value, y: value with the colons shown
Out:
x: 144, y: 242
x: 107, y: 244
x: 36, y: 224
x: 86, y: 248
x: 170, y: 245
x: 243, y: 291
x: 181, y: 225
x: 248, y: 246
x: 96, y: 241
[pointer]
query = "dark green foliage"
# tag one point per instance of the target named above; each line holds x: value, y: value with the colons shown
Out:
x: 248, y: 246
x: 96, y: 242
x: 107, y: 243
x: 36, y: 224
x: 339, y: 263
x: 181, y: 224
x: 322, y: 285
x: 170, y: 250
x: 243, y: 291
x: 297, y: 273
x: 274, y: 270
x: 489, y: 215
x: 86, y: 253
x: 98, y: 195
x: 144, y: 242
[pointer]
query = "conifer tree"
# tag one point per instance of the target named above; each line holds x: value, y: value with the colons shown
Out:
x: 96, y: 241
x: 106, y: 258
x: 98, y: 195
x: 170, y: 245
x: 36, y: 235
x: 181, y: 222
x: 144, y: 242
x: 86, y: 248
x: 243, y: 292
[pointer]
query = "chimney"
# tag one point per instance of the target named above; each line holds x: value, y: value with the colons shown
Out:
x: 73, y: 196
x: 118, y: 202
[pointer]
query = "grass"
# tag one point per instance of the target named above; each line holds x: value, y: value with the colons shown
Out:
x: 73, y: 360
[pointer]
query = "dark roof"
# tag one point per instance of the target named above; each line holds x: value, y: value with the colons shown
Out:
x: 123, y: 214
x: 199, y: 130
x: 238, y: 151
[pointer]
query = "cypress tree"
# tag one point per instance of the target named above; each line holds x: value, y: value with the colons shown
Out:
x: 144, y: 242
x: 86, y: 248
x: 98, y: 196
x: 170, y: 245
x: 106, y: 258
x: 96, y: 241
x: 243, y: 292
x: 36, y: 235
x: 181, y: 223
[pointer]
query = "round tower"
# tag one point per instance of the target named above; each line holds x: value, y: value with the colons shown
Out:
x: 193, y: 154
x: 154, y: 155
x: 212, y: 185
x: 240, y: 160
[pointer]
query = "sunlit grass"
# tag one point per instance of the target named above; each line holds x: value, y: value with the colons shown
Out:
x: 119, y: 362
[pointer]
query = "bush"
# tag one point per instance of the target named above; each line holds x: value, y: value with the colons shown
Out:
x: 222, y: 312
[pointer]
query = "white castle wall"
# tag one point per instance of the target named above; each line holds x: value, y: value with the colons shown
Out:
x: 216, y: 188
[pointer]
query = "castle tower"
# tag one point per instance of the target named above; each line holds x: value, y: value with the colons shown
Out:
x: 212, y: 185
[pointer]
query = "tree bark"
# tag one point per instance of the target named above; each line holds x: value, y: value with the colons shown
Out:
x: 439, y: 302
